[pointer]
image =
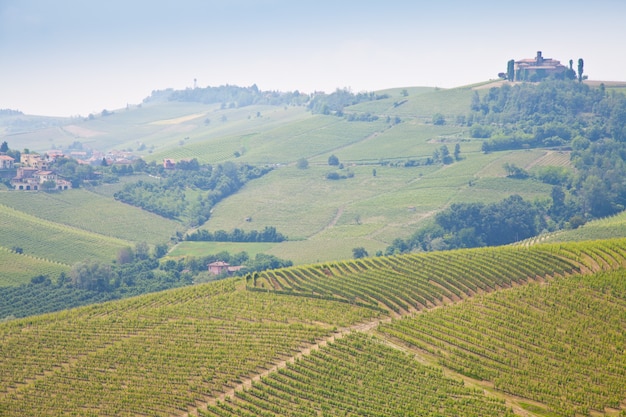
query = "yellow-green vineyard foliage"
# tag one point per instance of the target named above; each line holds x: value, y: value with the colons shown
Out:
x: 20, y: 268
x: 359, y: 376
x: 157, y: 354
x: 536, y: 323
x: 562, y: 343
x: 413, y: 282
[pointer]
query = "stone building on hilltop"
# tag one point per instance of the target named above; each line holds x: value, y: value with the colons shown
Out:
x: 538, y: 68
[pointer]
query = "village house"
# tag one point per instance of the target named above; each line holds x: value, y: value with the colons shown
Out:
x: 535, y: 69
x: 32, y: 179
x: 6, y: 162
x: 34, y: 160
x: 220, y: 267
x: 169, y: 163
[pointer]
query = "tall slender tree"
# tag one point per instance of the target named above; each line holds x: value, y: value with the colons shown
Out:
x: 510, y: 70
x: 581, y: 63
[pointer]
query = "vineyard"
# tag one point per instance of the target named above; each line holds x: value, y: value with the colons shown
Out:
x: 408, y: 283
x: 48, y: 240
x: 541, y: 324
x: 94, y: 213
x: 358, y: 375
x: 605, y: 228
x: 163, y: 354
x: 18, y: 269
x: 561, y: 344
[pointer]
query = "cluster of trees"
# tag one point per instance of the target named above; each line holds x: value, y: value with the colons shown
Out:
x: 268, y: 234
x: 335, y: 102
x: 74, y: 172
x: 335, y: 176
x: 443, y: 156
x: 550, y: 113
x: 136, y: 271
x: 467, y: 225
x: 10, y: 112
x: 168, y: 197
x: 198, y: 266
x: 231, y: 96
x: 361, y: 117
x: 589, y: 121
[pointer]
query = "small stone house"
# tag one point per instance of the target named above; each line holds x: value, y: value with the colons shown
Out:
x: 169, y: 163
x: 6, y: 162
x: 220, y: 267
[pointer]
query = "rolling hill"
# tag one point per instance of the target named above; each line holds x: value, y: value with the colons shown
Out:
x: 529, y: 330
x: 389, y: 192
x: 488, y: 332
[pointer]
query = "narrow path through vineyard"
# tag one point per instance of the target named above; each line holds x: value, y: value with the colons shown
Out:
x: 246, y: 383
x: 426, y: 279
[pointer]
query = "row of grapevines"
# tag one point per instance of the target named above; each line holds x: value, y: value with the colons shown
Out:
x: 19, y: 268
x: 358, y: 375
x: 412, y: 282
x: 92, y: 212
x: 562, y: 344
x: 158, y: 354
x: 45, y: 239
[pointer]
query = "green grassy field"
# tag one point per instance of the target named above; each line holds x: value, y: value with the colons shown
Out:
x: 323, y: 219
x: 366, y: 210
x: 200, y: 249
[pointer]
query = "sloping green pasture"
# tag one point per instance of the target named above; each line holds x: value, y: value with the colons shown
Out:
x: 323, y: 219
x: 420, y: 105
x: 365, y: 210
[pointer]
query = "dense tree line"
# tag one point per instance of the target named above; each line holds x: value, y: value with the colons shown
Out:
x: 198, y: 265
x: 573, y: 115
x: 550, y: 113
x: 467, y: 225
x: 136, y: 271
x: 268, y: 234
x: 231, y: 96
x: 91, y: 282
x: 335, y: 102
x: 168, y: 197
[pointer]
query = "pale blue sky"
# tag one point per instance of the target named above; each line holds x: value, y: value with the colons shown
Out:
x: 70, y: 57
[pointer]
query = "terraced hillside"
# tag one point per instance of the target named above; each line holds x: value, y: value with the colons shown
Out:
x: 95, y: 213
x: 343, y: 339
x: 605, y: 228
x: 19, y: 268
x: 56, y: 230
x: 54, y: 241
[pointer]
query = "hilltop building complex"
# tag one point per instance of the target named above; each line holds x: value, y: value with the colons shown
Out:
x: 535, y: 69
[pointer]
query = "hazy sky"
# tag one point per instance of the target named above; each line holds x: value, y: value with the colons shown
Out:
x: 74, y: 57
